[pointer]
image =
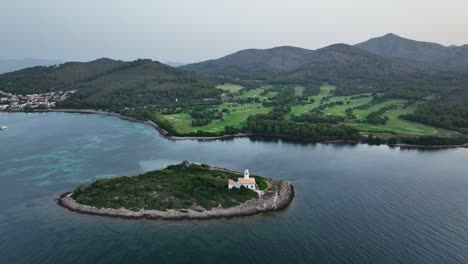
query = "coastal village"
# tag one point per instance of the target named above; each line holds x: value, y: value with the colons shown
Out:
x: 18, y: 102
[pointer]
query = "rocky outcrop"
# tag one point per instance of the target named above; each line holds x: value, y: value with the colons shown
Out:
x: 278, y: 196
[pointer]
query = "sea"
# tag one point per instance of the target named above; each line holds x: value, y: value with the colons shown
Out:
x: 353, y: 204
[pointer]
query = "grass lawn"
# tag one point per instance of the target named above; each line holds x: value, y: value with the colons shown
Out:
x: 339, y: 110
x: 298, y: 90
x: 271, y: 94
x: 182, y: 122
x: 325, y: 90
x: 229, y: 87
x: 362, y: 114
x: 395, y: 124
x: 238, y: 114
x: 258, y: 93
x: 253, y: 93
x: 237, y: 117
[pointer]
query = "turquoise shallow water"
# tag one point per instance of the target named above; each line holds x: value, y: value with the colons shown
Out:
x: 354, y: 204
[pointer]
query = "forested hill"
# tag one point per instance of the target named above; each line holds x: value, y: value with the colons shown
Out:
x: 391, y: 65
x: 394, y: 46
x: 288, y: 60
x: 255, y: 61
x: 15, y: 65
x: 404, y: 54
x: 352, y: 69
x: 106, y: 83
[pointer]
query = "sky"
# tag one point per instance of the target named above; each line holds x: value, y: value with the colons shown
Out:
x: 197, y: 30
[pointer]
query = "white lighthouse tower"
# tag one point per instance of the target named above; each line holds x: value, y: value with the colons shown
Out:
x: 246, y: 174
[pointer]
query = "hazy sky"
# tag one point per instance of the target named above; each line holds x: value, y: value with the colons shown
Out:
x: 195, y: 30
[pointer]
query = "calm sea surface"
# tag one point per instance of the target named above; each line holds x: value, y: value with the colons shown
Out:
x: 354, y: 204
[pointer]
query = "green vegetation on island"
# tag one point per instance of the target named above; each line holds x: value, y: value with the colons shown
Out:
x: 177, y: 187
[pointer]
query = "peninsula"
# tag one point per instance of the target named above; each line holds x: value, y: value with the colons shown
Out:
x: 178, y: 192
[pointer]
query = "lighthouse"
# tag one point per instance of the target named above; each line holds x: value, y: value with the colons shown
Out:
x: 246, y: 182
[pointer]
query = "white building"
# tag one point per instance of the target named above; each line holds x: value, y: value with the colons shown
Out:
x: 246, y: 181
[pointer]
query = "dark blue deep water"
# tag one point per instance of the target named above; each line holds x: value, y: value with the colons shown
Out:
x: 354, y: 204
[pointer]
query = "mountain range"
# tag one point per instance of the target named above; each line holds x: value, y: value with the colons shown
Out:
x: 390, y: 49
x: 379, y: 64
x: 393, y: 46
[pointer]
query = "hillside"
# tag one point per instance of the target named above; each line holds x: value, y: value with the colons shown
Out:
x: 352, y: 69
x: 255, y: 61
x: 393, y: 46
x: 285, y: 60
x: 106, y: 83
x: 15, y: 65
x: 396, y: 67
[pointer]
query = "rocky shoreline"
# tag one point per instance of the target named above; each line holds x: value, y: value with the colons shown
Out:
x: 278, y: 196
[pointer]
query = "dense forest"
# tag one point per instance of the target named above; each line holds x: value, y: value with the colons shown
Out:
x: 453, y: 117
x: 264, y: 125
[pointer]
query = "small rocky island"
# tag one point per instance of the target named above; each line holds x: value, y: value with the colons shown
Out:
x: 183, y: 191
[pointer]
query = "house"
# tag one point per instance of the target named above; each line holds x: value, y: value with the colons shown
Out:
x: 225, y: 97
x: 246, y: 181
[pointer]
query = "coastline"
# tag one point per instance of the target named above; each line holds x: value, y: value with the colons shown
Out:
x: 165, y: 134
x: 278, y: 196
x: 91, y: 111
